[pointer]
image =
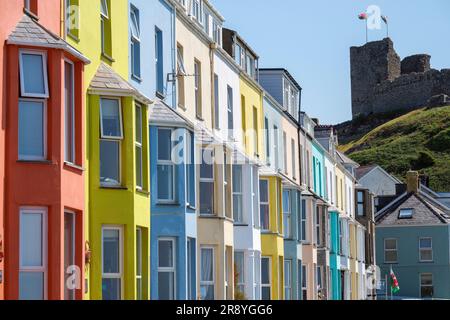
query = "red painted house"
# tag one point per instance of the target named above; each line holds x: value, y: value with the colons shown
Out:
x: 42, y: 116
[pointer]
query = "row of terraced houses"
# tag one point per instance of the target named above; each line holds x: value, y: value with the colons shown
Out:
x: 145, y: 154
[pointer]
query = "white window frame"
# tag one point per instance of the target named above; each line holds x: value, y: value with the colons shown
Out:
x: 105, y: 137
x: 288, y: 279
x: 135, y: 40
x: 420, y: 282
x: 265, y: 203
x: 44, y: 268
x: 167, y: 163
x: 239, y: 194
x: 172, y: 269
x: 267, y: 285
x: 105, y: 2
x: 43, y: 54
x: 213, y: 281
x: 304, y: 280
x: 287, y: 215
x: 241, y: 284
x: 45, y: 129
x: 121, y: 254
x: 426, y: 249
x: 139, y: 145
x: 73, y: 140
x: 390, y: 250
x: 208, y: 180
x: 139, y: 269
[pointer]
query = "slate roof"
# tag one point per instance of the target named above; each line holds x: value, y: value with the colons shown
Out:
x: 106, y: 80
x: 362, y: 171
x: 426, y: 211
x: 28, y: 32
x: 160, y: 113
x: 344, y: 159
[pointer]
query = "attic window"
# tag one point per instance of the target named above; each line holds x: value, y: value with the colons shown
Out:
x: 406, y: 214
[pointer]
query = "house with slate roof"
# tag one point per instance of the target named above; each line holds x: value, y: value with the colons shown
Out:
x: 412, y: 237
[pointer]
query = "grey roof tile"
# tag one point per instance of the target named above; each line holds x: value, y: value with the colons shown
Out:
x: 29, y: 32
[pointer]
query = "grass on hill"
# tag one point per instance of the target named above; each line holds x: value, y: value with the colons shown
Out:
x: 418, y: 140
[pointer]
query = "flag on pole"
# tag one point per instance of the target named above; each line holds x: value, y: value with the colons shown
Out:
x: 385, y: 19
x: 395, y: 288
x: 363, y: 16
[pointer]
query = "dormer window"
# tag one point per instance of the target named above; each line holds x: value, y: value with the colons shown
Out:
x: 406, y: 213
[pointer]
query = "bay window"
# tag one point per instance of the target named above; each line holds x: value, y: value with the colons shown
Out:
x: 264, y: 204
x: 112, y: 264
x: 110, y: 141
x: 33, y: 254
x: 207, y: 182
x: 166, y: 166
x: 139, y: 264
x: 33, y: 74
x: 190, y: 174
x: 304, y: 282
x: 237, y: 194
x: 303, y: 222
x: 166, y: 269
x: 360, y: 203
x: 207, y: 273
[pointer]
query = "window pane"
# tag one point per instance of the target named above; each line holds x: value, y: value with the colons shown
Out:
x: 109, y: 162
x: 138, y: 124
x: 237, y: 179
x: 135, y: 32
x: 207, y: 292
x: 31, y: 130
x: 207, y: 263
x: 69, y: 113
x: 139, y: 167
x: 111, y: 289
x: 207, y: 166
x: 390, y: 244
x: 239, y: 262
x: 31, y: 235
x: 111, y: 251
x: 33, y: 74
x: 164, y: 144
x: 104, y: 8
x: 265, y: 293
x: 111, y: 118
x: 265, y: 222
x: 426, y: 279
x: 237, y: 208
x: 425, y: 243
x: 426, y: 255
x: 390, y: 256
x: 165, y: 182
x: 165, y: 253
x: 136, y: 57
x: 265, y: 271
x: 31, y: 286
x: 206, y: 198
x: 166, y: 285
x: 264, y: 190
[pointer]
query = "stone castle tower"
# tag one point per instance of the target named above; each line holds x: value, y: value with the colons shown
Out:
x: 382, y: 82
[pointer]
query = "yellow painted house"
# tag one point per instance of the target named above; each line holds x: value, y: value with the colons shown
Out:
x: 118, y: 198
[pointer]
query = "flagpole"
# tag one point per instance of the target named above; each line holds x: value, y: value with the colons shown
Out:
x: 392, y: 294
x: 386, y: 287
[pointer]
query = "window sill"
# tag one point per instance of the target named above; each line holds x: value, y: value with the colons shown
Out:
x: 199, y: 118
x: 182, y: 107
x: 73, y: 166
x: 160, y: 95
x: 45, y: 162
x: 107, y: 57
x: 191, y: 207
x: 143, y: 192
x: 136, y: 78
x: 113, y: 187
x: 31, y: 13
x: 168, y: 204
x: 73, y: 37
x: 241, y: 224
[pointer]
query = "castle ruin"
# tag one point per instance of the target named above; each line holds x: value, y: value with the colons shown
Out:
x: 382, y: 82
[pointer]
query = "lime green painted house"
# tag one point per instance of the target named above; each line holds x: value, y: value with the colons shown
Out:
x: 117, y: 192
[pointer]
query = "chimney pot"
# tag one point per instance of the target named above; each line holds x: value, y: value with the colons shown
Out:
x: 412, y: 181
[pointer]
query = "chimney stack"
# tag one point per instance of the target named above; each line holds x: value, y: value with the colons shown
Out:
x: 412, y: 181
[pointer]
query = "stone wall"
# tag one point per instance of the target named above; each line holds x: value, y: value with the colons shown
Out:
x: 382, y: 83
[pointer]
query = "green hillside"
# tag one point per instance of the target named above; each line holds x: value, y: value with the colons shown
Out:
x: 419, y: 140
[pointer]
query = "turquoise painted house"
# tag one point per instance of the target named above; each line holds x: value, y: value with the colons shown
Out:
x: 335, y: 250
x: 318, y: 166
x: 413, y: 236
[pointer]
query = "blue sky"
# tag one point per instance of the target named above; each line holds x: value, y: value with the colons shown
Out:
x: 312, y: 39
